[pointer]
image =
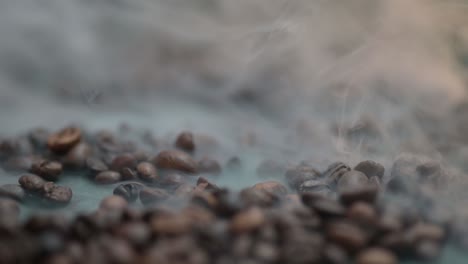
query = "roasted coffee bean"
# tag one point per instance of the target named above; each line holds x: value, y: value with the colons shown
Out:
x: 147, y: 172
x: 270, y: 169
x: 129, y: 191
x: 31, y: 182
x: 259, y: 198
x: 64, y: 140
x: 354, y: 186
x: 247, y: 221
x: 334, y: 172
x: 352, y: 179
x: 113, y: 202
x: 185, y: 141
x: 171, y: 180
x: 325, y: 207
x: 209, y: 166
x: 347, y: 235
x: 123, y: 161
x: 108, y: 177
x: 76, y: 157
x: 272, y: 187
x: 95, y: 166
x: 152, y: 195
x: 371, y: 168
x: 136, y: 233
x: 318, y: 187
x: 55, y: 194
x: 13, y: 191
x: 424, y: 231
x: 233, y: 163
x: 298, y: 175
x: 175, y: 160
x: 128, y: 174
x: 170, y: 223
x: 363, y: 213
x: 49, y: 170
x: 376, y: 256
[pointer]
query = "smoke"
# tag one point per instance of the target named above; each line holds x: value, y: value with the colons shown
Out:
x: 320, y: 80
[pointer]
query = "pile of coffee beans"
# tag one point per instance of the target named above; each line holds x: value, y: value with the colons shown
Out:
x: 166, y: 207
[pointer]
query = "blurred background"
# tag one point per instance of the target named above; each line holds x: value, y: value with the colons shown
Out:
x: 317, y: 80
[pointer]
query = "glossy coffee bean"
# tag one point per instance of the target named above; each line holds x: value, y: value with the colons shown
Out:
x: 376, y: 256
x: 152, y: 195
x: 55, y: 194
x: 108, y: 177
x: 129, y: 191
x: 31, y: 182
x: 371, y: 168
x: 113, y: 202
x: 49, y: 170
x: 334, y: 172
x: 95, y: 166
x: 13, y: 191
x: 185, y: 141
x: 64, y: 140
x: 175, y: 160
x: 147, y: 172
x: 76, y: 157
x: 123, y: 161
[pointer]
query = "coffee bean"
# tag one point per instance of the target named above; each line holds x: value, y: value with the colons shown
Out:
x: 113, y: 202
x: 55, y: 194
x: 334, y: 254
x: 376, y: 256
x: 351, y: 180
x: 354, y: 186
x: 136, y: 233
x: 147, y: 172
x: 247, y: 221
x: 76, y: 157
x: 363, y: 213
x: 171, y: 180
x: 175, y: 160
x: 95, y: 166
x: 64, y: 140
x: 272, y: 187
x: 325, y: 207
x: 152, y: 195
x: 31, y: 182
x: 123, y: 161
x: 347, y: 235
x: 334, y: 172
x: 259, y: 198
x: 424, y: 231
x: 129, y: 174
x: 371, y: 168
x: 318, y: 187
x: 129, y: 191
x: 298, y: 175
x: 206, y: 185
x: 185, y: 141
x: 108, y: 177
x: 170, y: 224
x: 49, y: 170
x: 13, y: 191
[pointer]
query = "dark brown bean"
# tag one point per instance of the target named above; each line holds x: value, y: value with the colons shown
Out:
x: 424, y: 231
x: 123, y: 161
x: 272, y: 187
x: 147, y: 172
x: 55, y: 194
x: 152, y: 195
x: 49, y: 170
x: 334, y: 254
x: 371, y: 168
x: 64, y: 140
x: 129, y: 174
x: 175, y: 160
x: 325, y: 207
x: 76, y: 157
x: 299, y: 174
x: 318, y: 187
x: 13, y: 191
x: 185, y: 141
x: 204, y: 184
x: 96, y: 166
x: 170, y: 223
x: 247, y: 221
x: 347, y: 235
x: 31, y: 182
x: 171, y: 180
x: 334, y: 172
x: 363, y: 213
x: 108, y: 177
x: 209, y: 166
x: 376, y: 256
x: 129, y: 191
x: 113, y: 202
